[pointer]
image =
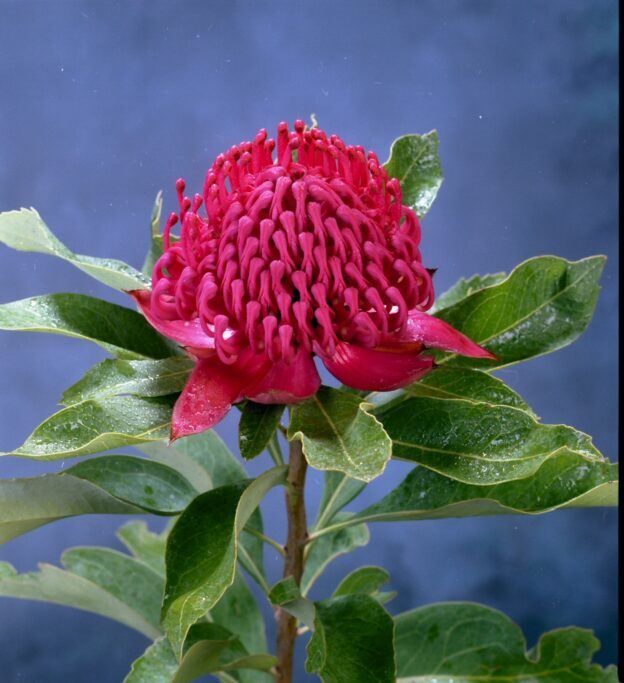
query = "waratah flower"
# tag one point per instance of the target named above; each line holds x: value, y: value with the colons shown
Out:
x: 305, y: 248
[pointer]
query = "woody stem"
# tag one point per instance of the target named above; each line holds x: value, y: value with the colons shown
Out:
x: 293, y: 561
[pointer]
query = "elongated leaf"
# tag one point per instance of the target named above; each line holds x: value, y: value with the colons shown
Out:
x: 338, y: 433
x: 544, y: 304
x: 256, y: 427
x: 119, y: 330
x: 209, y: 649
x: 157, y: 664
x: 28, y: 503
x: 208, y: 450
x: 146, y: 546
x: 94, y: 426
x: 202, y: 550
x: 330, y: 546
x: 367, y: 580
x: 171, y: 456
x: 146, y: 484
x: 415, y: 162
x: 26, y: 231
x: 352, y: 641
x: 450, y: 382
x: 477, y: 443
x: 51, y: 584
x: 141, y: 377
x: 156, y: 241
x: 563, y: 481
x: 207, y: 453
x: 115, y: 484
x: 464, y: 288
x: 129, y: 581
x: 469, y: 642
x: 338, y: 491
x: 238, y: 611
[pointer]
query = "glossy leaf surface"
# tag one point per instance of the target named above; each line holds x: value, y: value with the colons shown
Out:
x: 450, y: 382
x: 544, y: 305
x: 202, y: 551
x: 352, y: 641
x: 98, y: 425
x: 119, y: 330
x: 338, y: 433
x: 26, y: 231
x: 470, y: 642
x: 477, y: 443
x: 256, y: 427
x: 140, y: 377
x: 415, y: 162
x: 149, y: 485
x: 465, y: 287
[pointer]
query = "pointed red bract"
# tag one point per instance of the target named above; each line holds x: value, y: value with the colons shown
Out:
x: 434, y: 333
x: 377, y: 369
x: 187, y: 333
x: 209, y: 394
x: 287, y: 383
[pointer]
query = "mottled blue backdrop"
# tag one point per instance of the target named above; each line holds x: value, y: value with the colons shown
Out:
x: 104, y: 103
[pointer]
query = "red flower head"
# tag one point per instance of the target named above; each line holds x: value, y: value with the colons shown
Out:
x: 304, y: 249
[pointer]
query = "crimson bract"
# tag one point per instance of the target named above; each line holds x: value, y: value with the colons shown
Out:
x: 303, y: 248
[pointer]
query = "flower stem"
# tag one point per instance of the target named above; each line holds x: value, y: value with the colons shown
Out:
x: 293, y: 561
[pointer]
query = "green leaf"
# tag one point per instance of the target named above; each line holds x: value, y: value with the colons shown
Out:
x: 544, y: 305
x: 207, y: 462
x: 366, y: 580
x: 477, y: 443
x: 563, y: 481
x: 286, y: 594
x: 238, y: 611
x: 121, y: 331
x: 415, y: 162
x: 142, y: 377
x: 156, y: 241
x: 146, y: 546
x: 338, y: 433
x: 51, y: 584
x: 468, y: 642
x: 26, y: 231
x: 209, y: 649
x: 28, y: 503
x: 352, y: 641
x: 94, y: 426
x: 450, y: 382
x: 202, y: 550
x: 208, y: 450
x: 327, y: 548
x: 284, y: 591
x: 146, y: 484
x: 338, y: 491
x: 156, y: 665
x: 171, y: 456
x: 464, y: 288
x: 124, y: 578
x: 256, y: 427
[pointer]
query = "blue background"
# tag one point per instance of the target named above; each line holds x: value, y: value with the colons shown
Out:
x: 103, y: 104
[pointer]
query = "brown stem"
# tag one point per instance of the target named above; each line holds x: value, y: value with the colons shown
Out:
x: 293, y: 561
